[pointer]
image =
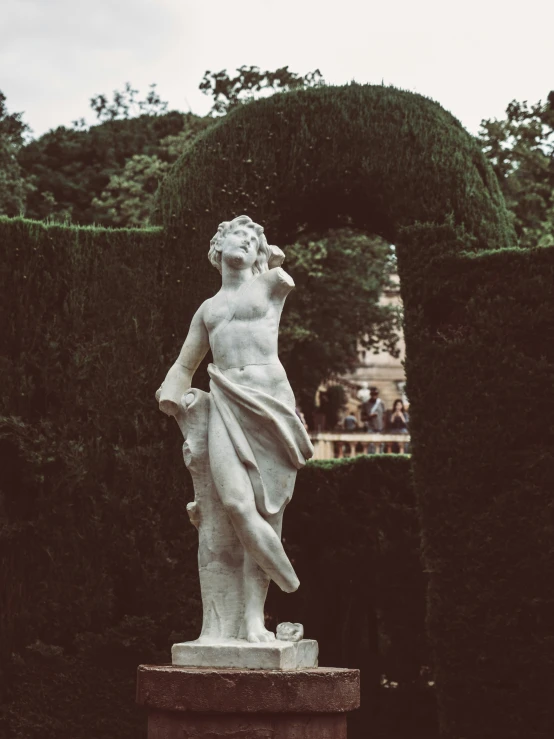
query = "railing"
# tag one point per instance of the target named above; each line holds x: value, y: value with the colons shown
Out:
x: 338, y: 444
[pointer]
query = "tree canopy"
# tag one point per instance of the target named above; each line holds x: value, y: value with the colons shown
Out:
x: 70, y: 168
x: 14, y: 186
x: 521, y: 151
x: 249, y: 82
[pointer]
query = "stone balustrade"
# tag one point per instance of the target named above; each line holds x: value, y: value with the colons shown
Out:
x: 338, y: 444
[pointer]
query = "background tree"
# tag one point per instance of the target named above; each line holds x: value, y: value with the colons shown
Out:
x: 340, y: 278
x: 14, y: 186
x: 521, y: 151
x: 72, y: 167
x: 249, y: 83
x: 126, y: 105
x: 129, y: 198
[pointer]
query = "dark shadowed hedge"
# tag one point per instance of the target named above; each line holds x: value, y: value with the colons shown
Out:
x: 98, y: 558
x: 482, y: 360
x: 91, y: 506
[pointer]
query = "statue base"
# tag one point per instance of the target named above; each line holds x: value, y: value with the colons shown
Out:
x: 283, y: 704
x: 243, y: 655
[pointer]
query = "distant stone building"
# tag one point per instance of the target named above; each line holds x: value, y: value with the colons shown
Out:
x: 380, y: 370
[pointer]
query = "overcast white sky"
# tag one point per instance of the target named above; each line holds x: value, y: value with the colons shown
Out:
x: 472, y: 56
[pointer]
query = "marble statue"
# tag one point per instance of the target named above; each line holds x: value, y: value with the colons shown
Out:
x: 244, y: 443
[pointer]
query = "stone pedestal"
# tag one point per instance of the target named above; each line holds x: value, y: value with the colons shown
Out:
x: 197, y: 703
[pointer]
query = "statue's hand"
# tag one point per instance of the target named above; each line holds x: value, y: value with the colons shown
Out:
x: 170, y: 407
x: 194, y: 513
x: 167, y: 406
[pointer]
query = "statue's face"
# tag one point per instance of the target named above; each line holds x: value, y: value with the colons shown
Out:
x: 240, y: 248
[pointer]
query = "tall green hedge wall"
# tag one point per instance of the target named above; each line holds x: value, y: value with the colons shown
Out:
x: 97, y: 556
x: 91, y: 507
x: 481, y: 356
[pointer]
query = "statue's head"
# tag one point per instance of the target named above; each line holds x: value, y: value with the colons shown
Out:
x: 264, y: 256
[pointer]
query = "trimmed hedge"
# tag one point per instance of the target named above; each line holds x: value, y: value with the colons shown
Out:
x: 377, y: 158
x: 352, y: 532
x: 481, y: 358
x: 91, y: 506
x: 83, y: 340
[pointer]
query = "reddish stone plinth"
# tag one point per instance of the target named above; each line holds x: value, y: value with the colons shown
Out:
x: 188, y: 702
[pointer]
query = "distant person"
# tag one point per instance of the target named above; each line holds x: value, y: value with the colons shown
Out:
x: 374, y: 412
x: 398, y: 424
x: 350, y: 423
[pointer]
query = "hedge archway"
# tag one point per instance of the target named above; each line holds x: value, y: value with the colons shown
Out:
x: 386, y: 160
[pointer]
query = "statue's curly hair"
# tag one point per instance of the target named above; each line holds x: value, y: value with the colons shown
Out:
x: 268, y: 256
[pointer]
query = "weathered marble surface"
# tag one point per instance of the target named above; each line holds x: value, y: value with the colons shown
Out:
x: 244, y: 655
x: 244, y: 443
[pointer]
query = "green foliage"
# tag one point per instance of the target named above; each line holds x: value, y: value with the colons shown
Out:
x: 93, y: 530
x: 72, y: 168
x: 376, y: 158
x: 127, y: 199
x: 352, y: 532
x: 339, y: 279
x: 125, y: 104
x: 521, y: 150
x: 14, y: 187
x: 250, y: 82
x: 480, y: 370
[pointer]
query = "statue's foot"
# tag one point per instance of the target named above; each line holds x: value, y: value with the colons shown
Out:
x: 255, y: 631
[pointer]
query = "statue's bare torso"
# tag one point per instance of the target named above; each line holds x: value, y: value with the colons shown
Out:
x: 243, y: 326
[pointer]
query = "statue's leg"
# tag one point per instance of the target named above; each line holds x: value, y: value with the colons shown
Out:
x: 220, y: 564
x: 235, y: 492
x: 256, y: 583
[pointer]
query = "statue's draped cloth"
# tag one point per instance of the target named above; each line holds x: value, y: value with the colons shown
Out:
x: 267, y: 435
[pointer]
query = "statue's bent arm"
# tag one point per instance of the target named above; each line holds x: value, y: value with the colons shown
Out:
x: 279, y: 282
x: 179, y: 377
